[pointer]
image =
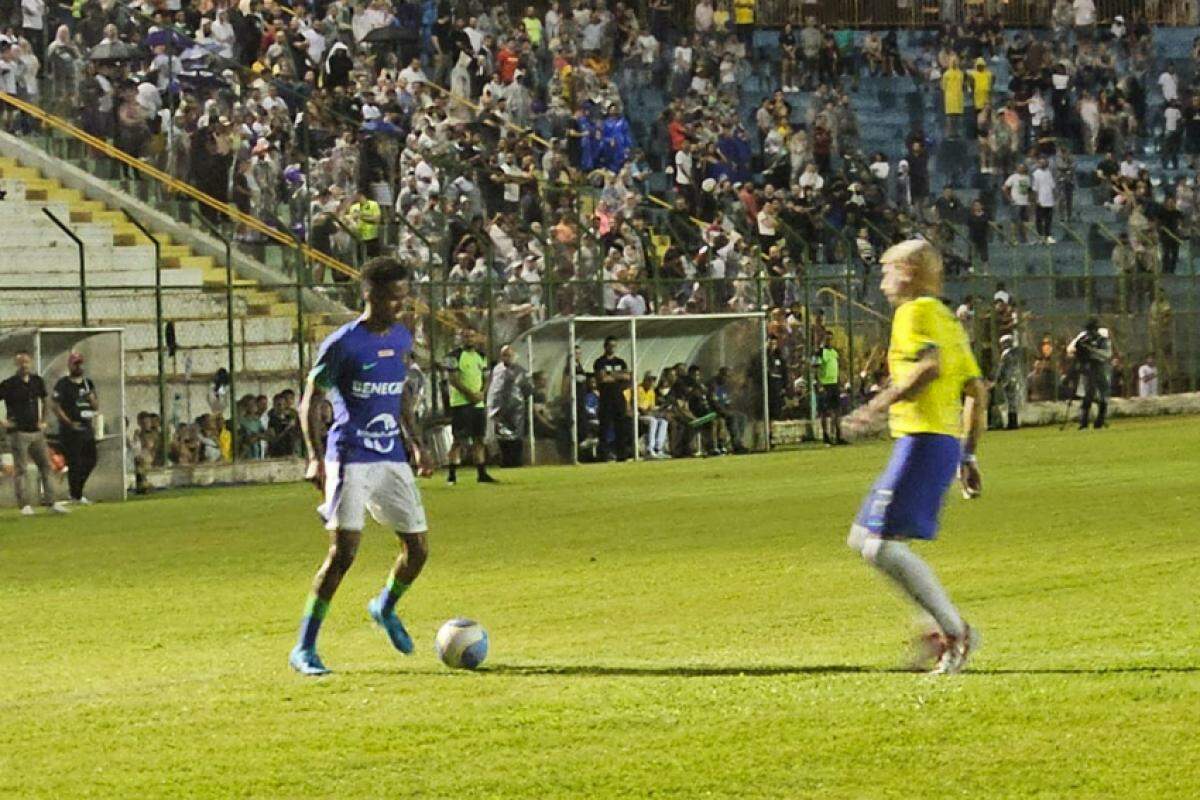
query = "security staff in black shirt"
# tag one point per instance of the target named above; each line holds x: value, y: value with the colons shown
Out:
x: 76, y: 406
x: 777, y: 378
x: 612, y: 376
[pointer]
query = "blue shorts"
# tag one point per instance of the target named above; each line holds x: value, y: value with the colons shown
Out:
x: 907, y: 498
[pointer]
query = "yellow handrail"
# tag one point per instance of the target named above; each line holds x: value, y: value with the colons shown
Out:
x: 228, y: 209
x: 839, y: 296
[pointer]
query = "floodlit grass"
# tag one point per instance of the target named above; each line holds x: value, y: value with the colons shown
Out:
x: 684, y: 629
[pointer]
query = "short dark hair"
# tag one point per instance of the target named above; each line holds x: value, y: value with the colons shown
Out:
x: 608, y: 339
x: 383, y: 269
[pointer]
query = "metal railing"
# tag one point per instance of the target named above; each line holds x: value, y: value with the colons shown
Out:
x: 924, y: 13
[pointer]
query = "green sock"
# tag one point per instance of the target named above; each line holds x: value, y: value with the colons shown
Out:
x: 314, y: 614
x: 391, y: 593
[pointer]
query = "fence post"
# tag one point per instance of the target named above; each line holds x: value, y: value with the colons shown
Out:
x: 229, y: 348
x: 850, y: 323
x: 83, y: 314
x: 158, y: 330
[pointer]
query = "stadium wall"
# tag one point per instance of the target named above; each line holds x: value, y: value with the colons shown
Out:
x: 1048, y: 413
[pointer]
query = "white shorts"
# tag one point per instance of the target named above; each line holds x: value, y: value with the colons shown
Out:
x: 387, y: 489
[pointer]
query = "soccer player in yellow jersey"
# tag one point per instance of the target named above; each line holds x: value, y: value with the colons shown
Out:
x: 936, y: 405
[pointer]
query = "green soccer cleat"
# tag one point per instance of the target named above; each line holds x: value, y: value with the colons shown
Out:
x: 391, y: 625
x: 307, y: 662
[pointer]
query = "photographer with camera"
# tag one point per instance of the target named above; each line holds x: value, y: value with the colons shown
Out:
x: 1092, y: 351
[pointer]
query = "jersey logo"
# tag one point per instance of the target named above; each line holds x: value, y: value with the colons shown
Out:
x: 380, y: 434
x: 367, y: 389
x: 386, y: 353
x: 369, y: 367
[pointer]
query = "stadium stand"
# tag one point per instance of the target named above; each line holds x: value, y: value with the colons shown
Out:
x: 555, y: 160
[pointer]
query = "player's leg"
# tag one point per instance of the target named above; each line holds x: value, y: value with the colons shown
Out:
x: 396, y: 501
x: 454, y: 457
x: 837, y: 424
x: 344, y: 514
x: 904, y: 503
x: 478, y: 439
x: 20, y: 452
x: 343, y: 547
x: 1085, y: 406
x: 39, y: 451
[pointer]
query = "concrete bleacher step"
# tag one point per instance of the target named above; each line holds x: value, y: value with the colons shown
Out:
x: 255, y: 358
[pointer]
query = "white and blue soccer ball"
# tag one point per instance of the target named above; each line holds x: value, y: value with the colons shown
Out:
x: 462, y: 644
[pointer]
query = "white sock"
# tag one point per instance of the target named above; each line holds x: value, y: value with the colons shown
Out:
x: 916, y: 578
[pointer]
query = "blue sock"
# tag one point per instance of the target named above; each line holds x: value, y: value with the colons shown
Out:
x: 391, y: 593
x: 314, y: 614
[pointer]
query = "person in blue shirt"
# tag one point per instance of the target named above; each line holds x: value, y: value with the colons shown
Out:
x: 618, y: 140
x: 362, y: 371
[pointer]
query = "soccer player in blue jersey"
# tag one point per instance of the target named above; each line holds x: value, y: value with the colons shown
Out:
x: 936, y: 406
x: 361, y: 370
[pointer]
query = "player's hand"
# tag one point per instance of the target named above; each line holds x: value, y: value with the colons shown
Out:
x: 863, y: 422
x: 421, y: 462
x: 971, y: 479
x: 314, y: 473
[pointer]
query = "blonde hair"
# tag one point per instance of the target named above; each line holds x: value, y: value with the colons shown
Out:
x: 922, y: 261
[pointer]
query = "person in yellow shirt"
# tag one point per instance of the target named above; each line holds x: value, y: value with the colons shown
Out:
x: 743, y: 21
x: 651, y: 417
x: 936, y: 395
x: 981, y: 89
x: 365, y: 215
x: 952, y: 97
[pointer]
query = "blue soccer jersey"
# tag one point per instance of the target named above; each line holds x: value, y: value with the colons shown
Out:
x: 363, y: 374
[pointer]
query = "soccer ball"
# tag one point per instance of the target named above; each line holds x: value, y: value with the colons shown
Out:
x: 462, y: 644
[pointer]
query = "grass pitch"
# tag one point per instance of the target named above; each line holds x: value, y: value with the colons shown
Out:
x: 683, y: 629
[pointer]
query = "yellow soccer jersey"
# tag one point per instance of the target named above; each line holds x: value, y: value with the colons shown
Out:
x: 918, y: 325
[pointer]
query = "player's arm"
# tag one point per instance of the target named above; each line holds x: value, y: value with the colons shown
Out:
x: 927, y: 370
x: 57, y: 409
x: 309, y: 412
x: 974, y: 422
x: 409, y: 398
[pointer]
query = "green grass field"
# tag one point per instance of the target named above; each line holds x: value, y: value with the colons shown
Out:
x: 683, y: 629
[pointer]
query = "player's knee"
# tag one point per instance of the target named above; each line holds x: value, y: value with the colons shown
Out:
x: 865, y: 543
x: 416, y: 547
x: 341, y: 556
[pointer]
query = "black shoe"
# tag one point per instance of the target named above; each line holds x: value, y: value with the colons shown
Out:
x: 841, y: 442
x: 451, y: 479
x: 485, y: 478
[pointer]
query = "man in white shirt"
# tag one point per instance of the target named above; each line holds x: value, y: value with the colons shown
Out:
x: 1043, y: 185
x: 413, y: 74
x: 704, y: 16
x: 1129, y: 168
x: 1017, y: 189
x: 683, y: 171
x: 1085, y: 17
x: 1172, y: 135
x: 1147, y: 375
x: 631, y: 304
x: 1169, y: 84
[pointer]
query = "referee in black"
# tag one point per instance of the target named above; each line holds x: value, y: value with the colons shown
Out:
x: 76, y: 405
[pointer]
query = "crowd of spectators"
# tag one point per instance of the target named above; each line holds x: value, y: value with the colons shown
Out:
x: 267, y: 428
x: 496, y: 148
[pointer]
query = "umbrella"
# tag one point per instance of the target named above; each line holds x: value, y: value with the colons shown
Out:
x: 389, y: 33
x: 114, y: 51
x: 173, y: 39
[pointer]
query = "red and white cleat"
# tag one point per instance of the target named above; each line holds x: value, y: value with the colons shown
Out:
x: 958, y: 652
x: 926, y: 650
